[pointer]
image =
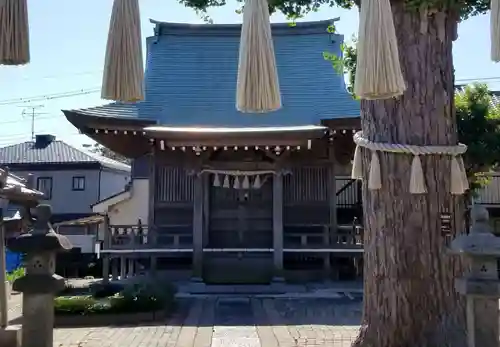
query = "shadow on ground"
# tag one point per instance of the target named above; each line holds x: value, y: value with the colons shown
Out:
x: 247, y: 311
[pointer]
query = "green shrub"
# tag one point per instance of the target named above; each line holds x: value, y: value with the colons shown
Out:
x: 104, y: 290
x: 79, y: 305
x: 144, y: 297
x: 14, y: 275
x: 147, y: 297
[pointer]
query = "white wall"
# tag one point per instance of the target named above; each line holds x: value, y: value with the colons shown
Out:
x: 129, y: 211
x: 64, y: 199
x: 87, y: 243
x: 112, y: 182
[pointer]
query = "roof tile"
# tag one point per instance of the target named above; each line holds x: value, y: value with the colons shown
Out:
x: 54, y: 152
x: 191, y: 74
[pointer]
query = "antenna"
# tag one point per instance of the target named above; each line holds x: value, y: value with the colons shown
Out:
x: 30, y: 111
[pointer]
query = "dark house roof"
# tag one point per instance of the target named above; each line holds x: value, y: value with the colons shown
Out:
x: 191, y: 75
x: 46, y: 150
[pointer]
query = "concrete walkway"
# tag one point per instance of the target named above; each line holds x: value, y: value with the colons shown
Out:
x: 216, y: 321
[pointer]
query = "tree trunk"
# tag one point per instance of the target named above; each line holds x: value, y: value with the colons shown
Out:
x: 409, y: 295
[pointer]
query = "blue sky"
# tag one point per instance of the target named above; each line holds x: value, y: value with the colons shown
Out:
x: 68, y: 40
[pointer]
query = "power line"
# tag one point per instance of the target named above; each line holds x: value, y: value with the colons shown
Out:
x: 84, y: 73
x: 87, y: 91
x: 47, y: 97
x: 17, y: 138
x: 39, y: 118
x: 490, y: 79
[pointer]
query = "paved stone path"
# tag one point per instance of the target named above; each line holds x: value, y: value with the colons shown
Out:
x: 229, y: 322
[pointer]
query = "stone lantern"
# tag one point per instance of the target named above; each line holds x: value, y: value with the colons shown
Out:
x: 481, y: 285
x: 40, y: 284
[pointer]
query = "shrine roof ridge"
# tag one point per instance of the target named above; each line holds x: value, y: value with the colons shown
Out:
x: 229, y: 130
x: 188, y: 29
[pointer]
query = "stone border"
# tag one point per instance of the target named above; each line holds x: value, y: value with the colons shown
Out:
x: 112, y: 319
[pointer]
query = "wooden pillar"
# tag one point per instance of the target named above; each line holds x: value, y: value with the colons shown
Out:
x: 123, y: 267
x: 206, y: 207
x: 198, y: 227
x: 153, y: 263
x: 332, y: 195
x: 131, y: 271
x: 4, y: 299
x: 152, y: 237
x: 106, y: 246
x: 114, y: 268
x: 278, y: 226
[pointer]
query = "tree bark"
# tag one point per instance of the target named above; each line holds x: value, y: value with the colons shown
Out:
x: 409, y: 295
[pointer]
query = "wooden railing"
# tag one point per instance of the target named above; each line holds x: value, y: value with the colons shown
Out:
x: 122, y: 237
x: 346, y: 236
x: 139, y: 236
x: 349, y: 195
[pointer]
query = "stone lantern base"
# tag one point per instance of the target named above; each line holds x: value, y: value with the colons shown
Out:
x: 8, y: 290
x: 11, y: 336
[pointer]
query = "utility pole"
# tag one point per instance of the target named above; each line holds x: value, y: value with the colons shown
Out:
x: 30, y: 111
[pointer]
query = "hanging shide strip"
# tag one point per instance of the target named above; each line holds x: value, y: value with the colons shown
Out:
x: 495, y: 30
x: 374, y: 176
x: 14, y: 32
x: 417, y: 179
x: 378, y: 72
x: 357, y: 165
x: 258, y: 86
x: 123, y: 78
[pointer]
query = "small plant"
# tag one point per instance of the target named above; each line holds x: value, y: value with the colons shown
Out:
x: 144, y: 297
x: 14, y: 275
x: 104, y: 290
x: 78, y: 305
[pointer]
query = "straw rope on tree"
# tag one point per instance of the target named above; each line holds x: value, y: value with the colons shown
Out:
x: 459, y: 183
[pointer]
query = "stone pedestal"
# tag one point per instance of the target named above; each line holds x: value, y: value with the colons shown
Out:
x: 8, y: 290
x: 11, y: 336
x: 40, y: 284
x: 481, y: 286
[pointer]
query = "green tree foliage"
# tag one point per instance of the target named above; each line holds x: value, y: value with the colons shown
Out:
x: 294, y: 9
x: 346, y: 63
x: 478, y: 122
x: 106, y: 152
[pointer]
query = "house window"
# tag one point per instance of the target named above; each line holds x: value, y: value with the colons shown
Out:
x: 44, y: 185
x: 78, y: 183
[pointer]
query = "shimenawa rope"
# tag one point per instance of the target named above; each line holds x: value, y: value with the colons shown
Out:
x: 458, y: 177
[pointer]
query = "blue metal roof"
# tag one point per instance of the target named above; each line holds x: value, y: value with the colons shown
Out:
x: 191, y: 74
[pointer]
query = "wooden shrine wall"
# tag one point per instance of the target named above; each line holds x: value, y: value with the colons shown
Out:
x: 173, y: 205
